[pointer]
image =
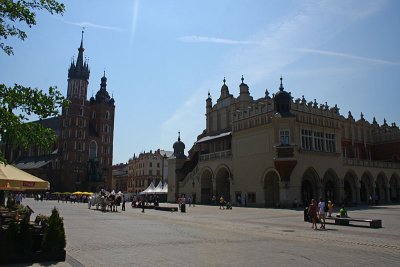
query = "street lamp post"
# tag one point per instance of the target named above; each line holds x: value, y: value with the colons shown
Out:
x: 163, y: 159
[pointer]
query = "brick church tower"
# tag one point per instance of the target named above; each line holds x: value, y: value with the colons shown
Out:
x: 86, y: 134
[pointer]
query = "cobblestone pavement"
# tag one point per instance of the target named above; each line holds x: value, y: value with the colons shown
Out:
x: 208, y: 236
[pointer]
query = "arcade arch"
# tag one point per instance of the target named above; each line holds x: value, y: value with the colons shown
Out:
x: 394, y: 190
x: 366, y: 187
x: 206, y: 186
x: 350, y: 188
x: 271, y: 188
x: 330, y: 185
x: 380, y: 188
x: 309, y: 186
x: 222, y: 183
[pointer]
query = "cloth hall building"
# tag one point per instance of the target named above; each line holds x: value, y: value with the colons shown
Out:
x: 277, y: 151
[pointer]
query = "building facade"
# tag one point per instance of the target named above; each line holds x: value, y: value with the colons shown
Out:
x: 120, y: 177
x: 146, y: 168
x: 81, y: 160
x: 276, y: 151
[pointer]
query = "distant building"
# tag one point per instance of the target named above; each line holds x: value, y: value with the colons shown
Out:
x: 120, y: 177
x: 82, y: 157
x: 146, y: 168
x: 276, y: 151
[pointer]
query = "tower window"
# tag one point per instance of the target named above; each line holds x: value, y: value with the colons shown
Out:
x: 107, y: 116
x: 284, y: 137
x: 92, y: 150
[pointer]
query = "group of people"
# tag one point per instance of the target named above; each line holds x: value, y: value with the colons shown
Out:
x: 319, y: 210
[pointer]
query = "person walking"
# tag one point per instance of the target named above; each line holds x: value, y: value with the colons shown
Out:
x: 330, y: 208
x: 221, y: 203
x: 321, y: 212
x: 123, y: 202
x: 312, y: 212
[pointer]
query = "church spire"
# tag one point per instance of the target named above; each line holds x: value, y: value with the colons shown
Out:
x: 80, y: 70
x: 79, y: 61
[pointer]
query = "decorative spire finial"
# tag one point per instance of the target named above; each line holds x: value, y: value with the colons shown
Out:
x: 83, y: 30
x: 281, y: 86
x: 179, y: 135
x: 242, y: 78
x: 224, y: 80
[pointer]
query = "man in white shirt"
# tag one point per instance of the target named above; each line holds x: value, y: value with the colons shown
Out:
x: 321, y: 211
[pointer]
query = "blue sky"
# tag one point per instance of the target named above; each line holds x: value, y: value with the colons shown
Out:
x: 162, y: 57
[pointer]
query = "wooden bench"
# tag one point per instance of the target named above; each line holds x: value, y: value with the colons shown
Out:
x: 373, y: 223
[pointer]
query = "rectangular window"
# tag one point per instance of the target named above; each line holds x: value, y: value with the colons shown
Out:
x: 330, y: 142
x: 284, y: 137
x: 306, y: 139
x: 318, y: 141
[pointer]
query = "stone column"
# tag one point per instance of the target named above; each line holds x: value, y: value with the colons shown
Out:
x: 387, y: 195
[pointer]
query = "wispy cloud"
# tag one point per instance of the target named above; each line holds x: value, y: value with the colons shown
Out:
x: 216, y: 40
x: 135, y: 15
x: 87, y: 24
x: 267, y: 52
x: 348, y: 56
x: 182, y: 119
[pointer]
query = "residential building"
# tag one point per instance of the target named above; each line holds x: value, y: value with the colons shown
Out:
x: 146, y: 168
x: 120, y: 177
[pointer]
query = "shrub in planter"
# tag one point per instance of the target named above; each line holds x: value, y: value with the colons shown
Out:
x: 24, y: 237
x: 42, y: 220
x: 18, y: 237
x: 11, y: 237
x: 54, y: 236
x: 24, y: 212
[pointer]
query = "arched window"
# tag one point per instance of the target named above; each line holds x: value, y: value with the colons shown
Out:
x: 81, y: 111
x: 92, y: 150
x: 107, y: 116
x: 94, y: 115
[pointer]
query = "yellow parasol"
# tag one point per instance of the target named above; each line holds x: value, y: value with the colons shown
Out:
x: 12, y: 178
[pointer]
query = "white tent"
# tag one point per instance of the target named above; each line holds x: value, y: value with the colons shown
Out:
x: 148, y: 190
x: 160, y: 189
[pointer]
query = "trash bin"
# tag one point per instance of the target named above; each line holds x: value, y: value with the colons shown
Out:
x: 306, y: 217
x: 183, y: 207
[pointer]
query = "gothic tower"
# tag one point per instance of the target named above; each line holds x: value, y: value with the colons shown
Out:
x: 86, y: 137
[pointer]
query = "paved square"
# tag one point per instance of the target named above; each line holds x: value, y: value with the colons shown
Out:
x: 208, y: 236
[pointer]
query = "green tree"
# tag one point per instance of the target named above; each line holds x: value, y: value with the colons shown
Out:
x: 18, y: 102
x: 54, y: 237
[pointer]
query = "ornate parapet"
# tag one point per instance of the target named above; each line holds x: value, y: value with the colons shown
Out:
x: 216, y: 155
x: 371, y: 163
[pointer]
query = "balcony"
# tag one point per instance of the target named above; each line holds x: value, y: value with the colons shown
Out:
x: 371, y: 164
x: 284, y: 151
x: 216, y: 155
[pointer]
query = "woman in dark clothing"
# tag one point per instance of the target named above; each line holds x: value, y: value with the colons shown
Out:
x: 312, y: 212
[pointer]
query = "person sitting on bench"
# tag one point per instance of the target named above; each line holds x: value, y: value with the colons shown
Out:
x: 342, y: 212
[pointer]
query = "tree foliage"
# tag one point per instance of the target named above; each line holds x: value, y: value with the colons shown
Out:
x: 54, y: 237
x: 18, y: 102
x: 22, y: 12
